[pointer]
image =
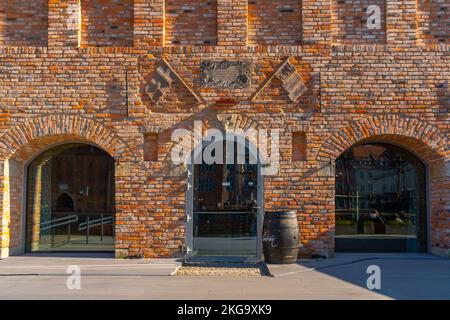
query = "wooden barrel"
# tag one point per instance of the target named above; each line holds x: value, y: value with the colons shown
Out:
x: 280, y: 237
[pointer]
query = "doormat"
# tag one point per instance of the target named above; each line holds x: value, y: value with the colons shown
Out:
x: 223, y: 269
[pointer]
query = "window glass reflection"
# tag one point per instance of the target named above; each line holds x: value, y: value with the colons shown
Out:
x: 380, y: 200
x: 225, y: 197
x: 70, y: 200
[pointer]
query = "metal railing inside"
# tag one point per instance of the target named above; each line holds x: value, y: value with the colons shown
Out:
x: 67, y: 228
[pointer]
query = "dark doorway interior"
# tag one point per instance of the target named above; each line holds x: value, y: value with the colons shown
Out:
x: 70, y: 200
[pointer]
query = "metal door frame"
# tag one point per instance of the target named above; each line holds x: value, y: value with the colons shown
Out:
x: 189, y: 213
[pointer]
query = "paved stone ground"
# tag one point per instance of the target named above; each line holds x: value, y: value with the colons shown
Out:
x: 404, y: 276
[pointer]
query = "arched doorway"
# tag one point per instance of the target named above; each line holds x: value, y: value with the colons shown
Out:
x: 224, y: 201
x: 70, y: 200
x: 380, y: 200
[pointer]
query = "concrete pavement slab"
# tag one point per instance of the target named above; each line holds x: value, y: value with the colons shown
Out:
x: 89, y: 264
x: 402, y: 277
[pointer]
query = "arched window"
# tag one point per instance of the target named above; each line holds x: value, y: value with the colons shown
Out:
x: 380, y: 200
x: 70, y: 200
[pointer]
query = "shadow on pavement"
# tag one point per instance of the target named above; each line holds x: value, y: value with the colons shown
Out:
x: 403, y: 276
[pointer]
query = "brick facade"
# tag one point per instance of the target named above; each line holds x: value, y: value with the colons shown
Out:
x: 107, y: 23
x: 88, y: 78
x: 264, y: 27
x: 433, y: 21
x: 190, y: 22
x: 23, y: 23
x: 350, y: 22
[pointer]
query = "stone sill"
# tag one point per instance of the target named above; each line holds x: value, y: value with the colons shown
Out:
x: 23, y: 50
x: 182, y: 49
x: 248, y: 49
x: 359, y: 48
x: 389, y: 48
x: 88, y: 50
x: 435, y: 47
x: 283, y: 49
x: 245, y: 49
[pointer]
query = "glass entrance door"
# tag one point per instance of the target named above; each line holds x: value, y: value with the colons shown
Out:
x: 225, y: 210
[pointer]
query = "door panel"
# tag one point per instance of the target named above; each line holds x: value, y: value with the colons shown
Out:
x: 224, y: 209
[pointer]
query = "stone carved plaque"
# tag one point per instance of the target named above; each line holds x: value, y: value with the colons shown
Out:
x: 123, y: 169
x: 292, y: 81
x: 225, y: 74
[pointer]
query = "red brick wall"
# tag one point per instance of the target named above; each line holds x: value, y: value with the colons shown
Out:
x: 107, y: 23
x: 356, y: 91
x: 274, y: 22
x: 12, y: 205
x: 299, y: 146
x: 150, y: 147
x: 16, y: 206
x: 23, y: 23
x: 433, y: 21
x: 191, y: 22
x: 350, y: 22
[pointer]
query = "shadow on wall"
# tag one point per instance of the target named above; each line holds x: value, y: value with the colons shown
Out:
x: 443, y: 96
x: 116, y: 104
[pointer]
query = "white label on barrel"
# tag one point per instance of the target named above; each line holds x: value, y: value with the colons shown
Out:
x: 267, y: 237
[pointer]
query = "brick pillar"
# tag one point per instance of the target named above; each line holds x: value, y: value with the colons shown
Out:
x: 148, y: 23
x: 4, y: 210
x: 316, y: 18
x: 11, y: 207
x: 401, y: 23
x: 64, y: 23
x: 232, y: 24
x: 123, y: 230
x: 439, y: 184
x: 36, y: 198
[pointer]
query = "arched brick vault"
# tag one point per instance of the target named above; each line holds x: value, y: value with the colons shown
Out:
x: 423, y: 138
x: 25, y: 140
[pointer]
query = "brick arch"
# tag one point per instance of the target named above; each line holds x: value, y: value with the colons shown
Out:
x: 423, y: 139
x: 25, y: 140
x: 22, y: 143
x: 238, y: 123
x: 419, y: 136
x: 227, y: 123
